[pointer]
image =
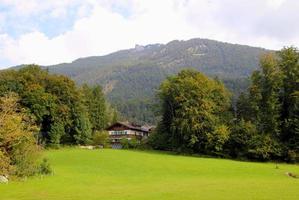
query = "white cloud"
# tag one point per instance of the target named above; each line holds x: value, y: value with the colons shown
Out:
x: 32, y: 7
x: 113, y: 25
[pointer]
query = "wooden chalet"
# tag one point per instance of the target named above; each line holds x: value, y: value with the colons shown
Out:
x: 120, y: 130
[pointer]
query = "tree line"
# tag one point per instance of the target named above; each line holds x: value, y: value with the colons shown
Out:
x: 42, y: 109
x: 197, y: 115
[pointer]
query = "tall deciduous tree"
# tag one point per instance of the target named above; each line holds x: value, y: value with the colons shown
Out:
x: 193, y: 112
x: 265, y: 94
x: 272, y: 104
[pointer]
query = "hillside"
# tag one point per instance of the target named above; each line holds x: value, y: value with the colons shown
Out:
x: 130, y: 77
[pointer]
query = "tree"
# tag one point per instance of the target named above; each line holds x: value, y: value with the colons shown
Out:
x: 240, y: 138
x: 96, y: 105
x: 81, y: 126
x: 18, y: 148
x: 289, y: 64
x: 194, y: 112
x: 56, y: 132
x: 100, y: 138
x: 265, y: 94
x: 64, y: 113
x: 272, y: 104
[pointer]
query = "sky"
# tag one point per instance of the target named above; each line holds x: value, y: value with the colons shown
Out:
x: 47, y: 32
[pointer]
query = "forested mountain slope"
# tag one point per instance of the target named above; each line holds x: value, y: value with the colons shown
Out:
x: 130, y: 77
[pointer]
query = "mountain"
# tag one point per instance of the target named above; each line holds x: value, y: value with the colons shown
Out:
x: 130, y: 77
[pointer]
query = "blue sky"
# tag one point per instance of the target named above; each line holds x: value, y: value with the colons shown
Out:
x: 16, y: 24
x: 54, y: 31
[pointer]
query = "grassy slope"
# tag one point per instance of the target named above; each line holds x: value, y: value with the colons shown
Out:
x: 119, y: 174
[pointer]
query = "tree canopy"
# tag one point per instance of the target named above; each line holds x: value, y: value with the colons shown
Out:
x: 197, y: 115
x: 193, y: 112
x: 65, y: 113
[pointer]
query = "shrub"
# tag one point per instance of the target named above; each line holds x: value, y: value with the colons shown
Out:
x: 124, y: 143
x: 100, y: 138
x: 129, y: 144
x: 25, y: 156
x: 45, y: 167
x: 133, y: 143
x: 144, y: 144
x: 264, y: 147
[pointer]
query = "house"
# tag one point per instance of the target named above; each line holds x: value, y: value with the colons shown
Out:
x: 121, y: 130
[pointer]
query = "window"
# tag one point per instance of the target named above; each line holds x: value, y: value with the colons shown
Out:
x: 123, y: 132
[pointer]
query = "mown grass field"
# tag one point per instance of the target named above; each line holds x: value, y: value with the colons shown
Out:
x: 120, y: 174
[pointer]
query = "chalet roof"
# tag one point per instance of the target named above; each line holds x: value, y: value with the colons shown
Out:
x: 130, y: 126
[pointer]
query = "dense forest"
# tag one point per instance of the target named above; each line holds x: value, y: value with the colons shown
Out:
x: 130, y: 78
x: 197, y: 113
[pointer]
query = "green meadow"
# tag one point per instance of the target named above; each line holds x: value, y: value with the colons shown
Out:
x: 81, y: 174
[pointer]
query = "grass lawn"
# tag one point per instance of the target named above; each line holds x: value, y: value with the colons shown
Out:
x: 120, y: 174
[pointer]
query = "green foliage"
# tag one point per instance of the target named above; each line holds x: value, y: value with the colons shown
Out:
x: 124, y: 143
x: 160, y: 139
x: 289, y: 64
x: 56, y: 132
x: 82, y: 129
x: 18, y: 150
x: 194, y: 112
x: 96, y: 104
x: 218, y: 138
x: 133, y: 143
x: 272, y: 104
x: 100, y: 138
x: 129, y: 143
x: 264, y: 147
x: 264, y: 96
x: 241, y: 136
x: 45, y: 167
x: 64, y: 113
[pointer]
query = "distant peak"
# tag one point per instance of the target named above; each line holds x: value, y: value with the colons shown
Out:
x: 139, y: 47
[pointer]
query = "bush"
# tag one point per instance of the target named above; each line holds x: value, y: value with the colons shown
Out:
x: 45, y: 167
x: 264, y: 147
x: 134, y: 143
x: 100, y: 138
x: 144, y: 144
x: 124, y: 143
x: 129, y: 144
x: 25, y: 156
